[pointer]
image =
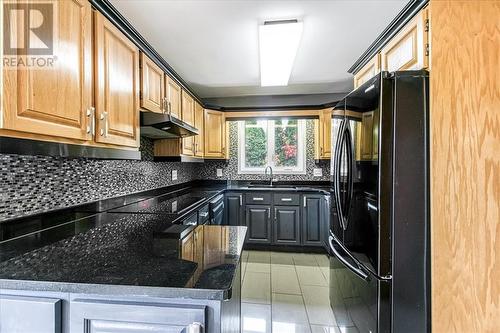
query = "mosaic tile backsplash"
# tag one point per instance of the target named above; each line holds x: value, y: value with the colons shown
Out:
x: 34, y: 184
x: 208, y: 170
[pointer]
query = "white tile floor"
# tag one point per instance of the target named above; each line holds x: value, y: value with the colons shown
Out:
x: 286, y: 293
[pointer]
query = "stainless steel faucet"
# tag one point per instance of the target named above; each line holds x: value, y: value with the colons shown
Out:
x: 271, y: 172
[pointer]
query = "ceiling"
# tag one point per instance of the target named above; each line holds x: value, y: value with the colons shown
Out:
x: 213, y: 45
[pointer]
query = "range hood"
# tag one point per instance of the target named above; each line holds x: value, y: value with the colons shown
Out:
x: 164, y: 126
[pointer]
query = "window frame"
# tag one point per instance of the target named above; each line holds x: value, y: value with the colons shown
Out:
x: 270, y: 130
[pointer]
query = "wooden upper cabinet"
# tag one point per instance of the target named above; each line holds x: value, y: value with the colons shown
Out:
x: 215, y: 136
x: 54, y: 101
x: 188, y: 117
x: 116, y: 85
x: 173, y: 95
x: 152, y: 86
x: 323, y: 134
x: 368, y: 71
x: 199, y: 123
x: 408, y: 50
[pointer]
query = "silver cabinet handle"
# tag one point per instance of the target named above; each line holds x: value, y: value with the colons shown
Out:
x: 194, y: 328
x: 169, y: 107
x: 258, y: 199
x: 275, y: 214
x: 104, y: 132
x: 286, y: 199
x: 305, y: 201
x: 164, y: 105
x: 91, y: 116
x: 241, y: 200
x: 269, y: 213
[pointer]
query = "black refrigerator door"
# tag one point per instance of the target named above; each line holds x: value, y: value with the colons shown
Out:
x: 359, y: 301
x: 366, y: 228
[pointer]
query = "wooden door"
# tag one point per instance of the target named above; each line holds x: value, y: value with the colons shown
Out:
x: 173, y: 95
x: 234, y: 209
x: 312, y: 221
x: 187, y: 247
x: 408, y: 49
x: 367, y: 136
x: 152, y: 86
x: 258, y: 222
x: 325, y: 135
x: 215, y: 136
x: 188, y: 117
x: 286, y: 228
x: 199, y: 123
x: 368, y: 71
x: 117, y: 85
x: 54, y: 101
x: 198, y: 250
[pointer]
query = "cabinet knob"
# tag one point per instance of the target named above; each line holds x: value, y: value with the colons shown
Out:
x: 194, y: 328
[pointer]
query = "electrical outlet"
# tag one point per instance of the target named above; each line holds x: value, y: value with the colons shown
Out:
x: 318, y: 172
x: 219, y: 172
x: 174, y: 174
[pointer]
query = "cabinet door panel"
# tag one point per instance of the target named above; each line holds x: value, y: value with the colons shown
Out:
x: 214, y: 134
x: 234, y: 209
x: 54, y: 101
x: 188, y: 117
x: 117, y: 85
x: 173, y: 94
x: 312, y: 220
x: 199, y: 123
x: 44, y: 314
x: 119, y: 316
x: 258, y: 223
x: 286, y: 228
x: 152, y: 85
x: 368, y: 71
x: 325, y: 133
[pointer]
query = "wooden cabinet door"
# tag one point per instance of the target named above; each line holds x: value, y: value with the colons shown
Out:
x: 234, y: 209
x: 30, y: 314
x: 325, y: 134
x: 258, y: 219
x: 134, y: 317
x: 215, y: 136
x: 188, y: 117
x: 286, y: 223
x: 199, y: 123
x: 173, y: 95
x: 187, y: 247
x: 313, y: 231
x: 408, y: 49
x: 117, y: 85
x: 152, y: 86
x: 54, y: 101
x: 368, y: 71
x: 367, y: 136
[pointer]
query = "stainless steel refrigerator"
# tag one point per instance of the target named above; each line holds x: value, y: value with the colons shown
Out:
x: 379, y: 225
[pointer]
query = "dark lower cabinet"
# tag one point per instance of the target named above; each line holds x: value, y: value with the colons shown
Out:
x: 235, y: 214
x: 258, y: 218
x: 286, y: 225
x: 313, y: 219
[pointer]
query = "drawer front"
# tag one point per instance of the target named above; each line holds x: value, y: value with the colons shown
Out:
x: 203, y: 214
x: 287, y: 199
x: 258, y: 198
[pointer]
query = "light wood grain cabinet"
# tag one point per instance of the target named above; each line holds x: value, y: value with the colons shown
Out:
x: 116, y: 85
x: 173, y: 97
x: 152, y: 86
x: 54, y: 102
x: 215, y: 134
x: 188, y: 117
x: 409, y: 48
x: 368, y: 71
x: 199, y: 123
x: 323, y: 135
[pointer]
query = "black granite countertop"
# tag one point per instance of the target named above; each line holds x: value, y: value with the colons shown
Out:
x: 108, y: 247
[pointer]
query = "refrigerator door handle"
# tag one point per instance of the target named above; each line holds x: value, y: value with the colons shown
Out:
x: 337, y: 170
x: 356, y: 270
x: 350, y: 166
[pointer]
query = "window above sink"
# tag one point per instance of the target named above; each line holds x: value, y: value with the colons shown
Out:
x: 279, y: 143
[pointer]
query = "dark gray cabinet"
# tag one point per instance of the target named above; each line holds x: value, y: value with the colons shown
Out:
x: 257, y: 218
x: 313, y: 218
x: 286, y: 225
x: 235, y: 213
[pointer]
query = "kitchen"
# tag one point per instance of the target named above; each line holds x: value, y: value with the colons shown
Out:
x: 249, y: 166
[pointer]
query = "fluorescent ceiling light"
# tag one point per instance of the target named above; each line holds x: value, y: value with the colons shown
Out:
x: 279, y: 42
